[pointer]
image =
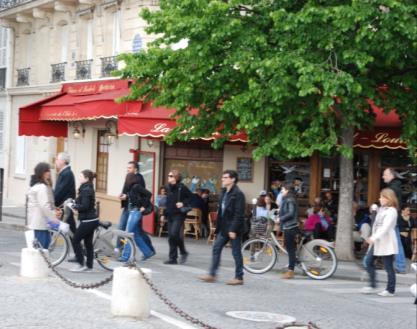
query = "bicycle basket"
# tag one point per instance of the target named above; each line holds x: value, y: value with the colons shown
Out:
x: 259, y: 225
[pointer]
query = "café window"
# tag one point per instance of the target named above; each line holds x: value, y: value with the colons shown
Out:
x: 200, y: 165
x: 102, y: 160
x: 360, y: 176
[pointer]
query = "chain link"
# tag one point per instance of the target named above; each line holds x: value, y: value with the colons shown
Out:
x: 68, y: 281
x: 156, y: 291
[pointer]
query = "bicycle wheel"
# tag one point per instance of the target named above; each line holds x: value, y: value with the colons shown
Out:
x: 106, y: 252
x: 318, y: 260
x: 259, y: 256
x: 58, y: 248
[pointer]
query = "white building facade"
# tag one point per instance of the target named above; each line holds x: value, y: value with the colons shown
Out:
x: 74, y: 44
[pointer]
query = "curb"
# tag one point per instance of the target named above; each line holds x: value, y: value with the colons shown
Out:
x: 5, y: 214
x: 15, y: 227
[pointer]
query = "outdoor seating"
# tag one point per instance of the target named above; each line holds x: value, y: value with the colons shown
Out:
x: 193, y: 223
x: 212, y: 219
x: 162, y: 222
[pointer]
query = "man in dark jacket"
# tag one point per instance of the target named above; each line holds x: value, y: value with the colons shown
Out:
x: 392, y: 182
x: 65, y: 184
x: 230, y: 226
x: 65, y: 188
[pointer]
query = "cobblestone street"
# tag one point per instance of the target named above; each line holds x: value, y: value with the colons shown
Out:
x: 331, y: 304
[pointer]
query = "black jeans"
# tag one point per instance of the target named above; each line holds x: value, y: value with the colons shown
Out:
x: 176, y: 237
x: 389, y: 268
x: 218, y: 246
x: 85, y: 231
x: 291, y: 246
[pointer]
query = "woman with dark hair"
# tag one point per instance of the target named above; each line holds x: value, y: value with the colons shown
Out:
x: 288, y: 218
x: 138, y: 203
x: 178, y: 200
x: 41, y: 203
x: 85, y: 204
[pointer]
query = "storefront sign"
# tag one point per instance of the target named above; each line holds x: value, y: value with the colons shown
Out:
x: 379, y: 138
x: 97, y: 87
x: 161, y: 128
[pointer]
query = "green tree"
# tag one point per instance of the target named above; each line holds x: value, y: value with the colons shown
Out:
x: 294, y: 75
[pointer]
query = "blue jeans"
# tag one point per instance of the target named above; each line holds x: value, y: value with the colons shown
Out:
x: 133, y: 223
x: 43, y: 237
x: 400, y: 262
x: 218, y: 246
x: 122, y: 223
x: 389, y: 268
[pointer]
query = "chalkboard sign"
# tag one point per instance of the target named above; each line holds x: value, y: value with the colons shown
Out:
x: 244, y: 169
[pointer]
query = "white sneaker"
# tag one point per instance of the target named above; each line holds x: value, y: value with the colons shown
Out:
x: 385, y: 293
x: 368, y: 290
x: 80, y: 268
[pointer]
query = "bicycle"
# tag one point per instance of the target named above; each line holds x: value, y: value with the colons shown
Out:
x: 316, y: 257
x: 105, y: 246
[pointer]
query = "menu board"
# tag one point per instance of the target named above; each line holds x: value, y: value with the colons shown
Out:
x: 244, y: 169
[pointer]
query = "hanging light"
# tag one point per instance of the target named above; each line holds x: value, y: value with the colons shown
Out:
x: 79, y: 130
x: 111, y: 133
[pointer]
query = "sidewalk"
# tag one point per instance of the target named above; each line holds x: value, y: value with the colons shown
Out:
x: 14, y: 219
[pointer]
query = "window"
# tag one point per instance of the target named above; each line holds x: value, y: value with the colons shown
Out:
x: 3, y: 57
x: 1, y: 130
x: 64, y: 43
x: 116, y: 33
x: 102, y: 160
x: 20, y: 165
x: 89, y: 39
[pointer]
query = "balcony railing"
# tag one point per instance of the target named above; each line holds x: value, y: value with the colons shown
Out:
x: 108, y: 65
x: 83, y: 69
x: 6, y: 4
x: 23, y: 77
x: 58, y: 72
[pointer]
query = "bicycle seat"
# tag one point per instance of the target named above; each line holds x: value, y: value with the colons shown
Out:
x: 105, y: 224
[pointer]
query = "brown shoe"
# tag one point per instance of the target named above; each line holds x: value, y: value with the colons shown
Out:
x: 288, y: 275
x: 235, y: 282
x: 207, y: 278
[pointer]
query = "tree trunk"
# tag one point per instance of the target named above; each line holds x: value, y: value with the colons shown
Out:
x: 344, y: 237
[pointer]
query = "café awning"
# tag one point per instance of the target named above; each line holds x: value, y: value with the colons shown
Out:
x: 156, y: 122
x: 77, y: 101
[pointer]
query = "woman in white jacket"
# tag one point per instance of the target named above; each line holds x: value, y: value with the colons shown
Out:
x: 41, y: 203
x: 383, y: 242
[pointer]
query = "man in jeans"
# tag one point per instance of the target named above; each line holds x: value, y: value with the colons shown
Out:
x: 389, y: 177
x: 230, y: 226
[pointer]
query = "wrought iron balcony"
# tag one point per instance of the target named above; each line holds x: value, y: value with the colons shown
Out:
x: 23, y: 77
x: 6, y: 4
x: 108, y: 65
x: 83, y: 69
x: 58, y: 72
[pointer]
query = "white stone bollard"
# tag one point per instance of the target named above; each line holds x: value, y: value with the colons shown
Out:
x: 130, y: 293
x: 32, y: 265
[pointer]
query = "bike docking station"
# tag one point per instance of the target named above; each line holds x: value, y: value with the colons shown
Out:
x: 130, y: 292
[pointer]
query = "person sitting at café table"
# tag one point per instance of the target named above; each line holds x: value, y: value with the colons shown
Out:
x: 318, y: 223
x: 406, y: 224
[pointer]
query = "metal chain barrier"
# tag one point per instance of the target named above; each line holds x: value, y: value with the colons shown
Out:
x: 167, y: 302
x: 68, y: 281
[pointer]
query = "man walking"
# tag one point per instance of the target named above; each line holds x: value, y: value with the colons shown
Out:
x: 392, y: 182
x: 132, y: 168
x: 230, y: 226
x: 65, y: 187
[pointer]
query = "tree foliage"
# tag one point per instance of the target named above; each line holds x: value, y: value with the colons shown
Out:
x: 291, y: 74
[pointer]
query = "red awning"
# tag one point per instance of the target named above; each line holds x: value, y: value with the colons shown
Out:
x: 30, y: 124
x: 76, y: 101
x: 391, y: 119
x: 155, y: 122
